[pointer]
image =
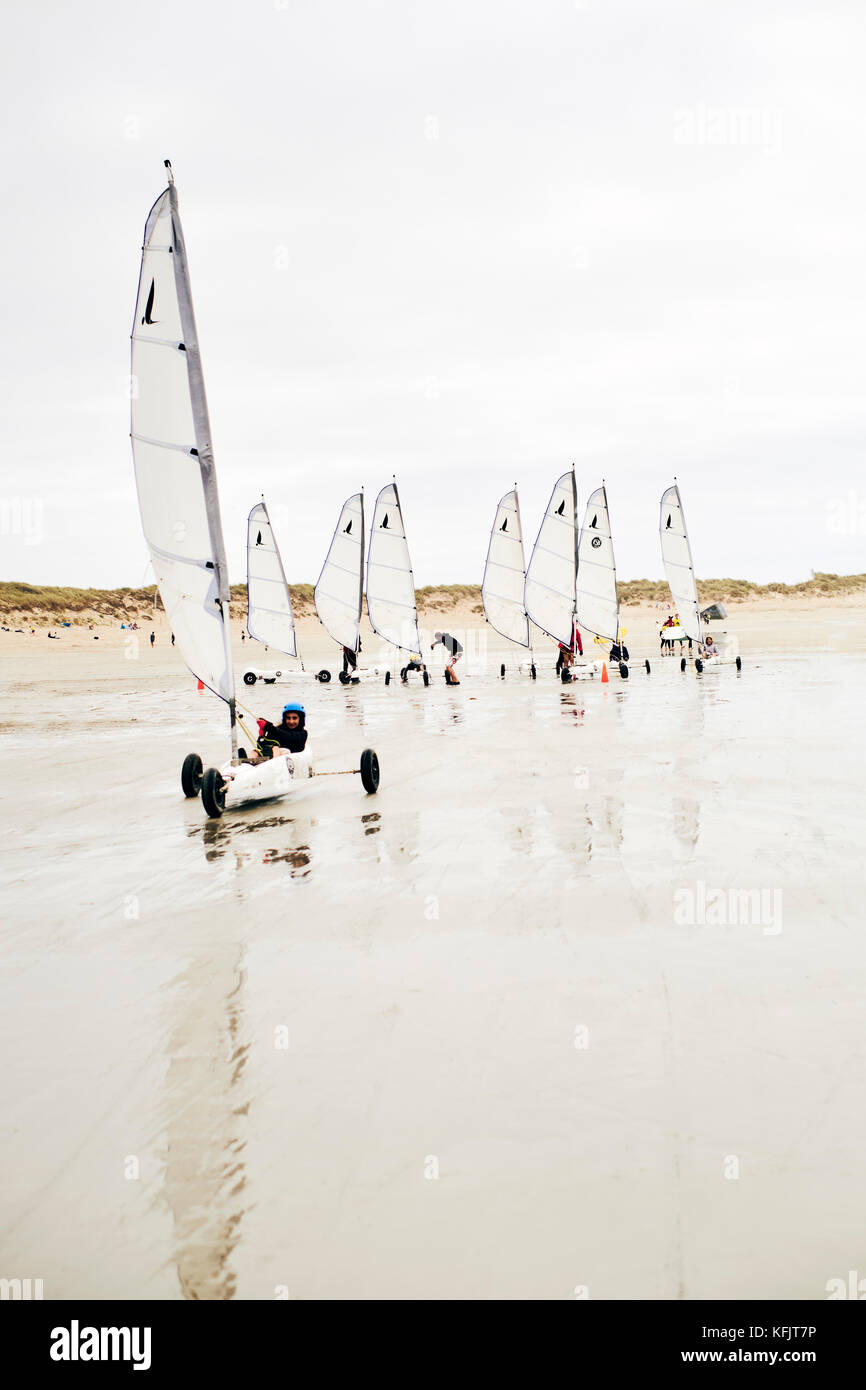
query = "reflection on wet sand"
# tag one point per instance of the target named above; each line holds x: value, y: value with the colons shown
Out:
x: 206, y: 1106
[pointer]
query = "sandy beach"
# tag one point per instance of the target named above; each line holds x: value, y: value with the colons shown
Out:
x: 479, y: 1036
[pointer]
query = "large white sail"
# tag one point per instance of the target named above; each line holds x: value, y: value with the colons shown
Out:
x: 550, y: 590
x: 174, y: 465
x: 390, y: 584
x: 269, y: 604
x: 677, y: 557
x: 505, y: 574
x: 597, y: 602
x: 340, y: 589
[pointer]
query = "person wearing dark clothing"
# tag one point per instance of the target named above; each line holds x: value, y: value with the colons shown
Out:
x: 152, y: 638
x: 289, y: 736
x: 452, y: 646
x: 350, y: 660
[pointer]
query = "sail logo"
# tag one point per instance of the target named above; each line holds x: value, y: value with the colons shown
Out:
x: 703, y: 906
x: 596, y: 542
x: 21, y: 1290
x: 75, y: 1343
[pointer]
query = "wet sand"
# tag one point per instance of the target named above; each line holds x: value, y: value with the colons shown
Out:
x: 457, y: 1040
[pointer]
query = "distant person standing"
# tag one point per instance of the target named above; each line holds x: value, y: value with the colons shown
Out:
x: 172, y: 639
x: 243, y: 635
x: 152, y: 638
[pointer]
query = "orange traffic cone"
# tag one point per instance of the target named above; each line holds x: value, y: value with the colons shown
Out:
x: 605, y: 678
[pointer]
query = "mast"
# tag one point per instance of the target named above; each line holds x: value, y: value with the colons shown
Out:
x: 204, y: 446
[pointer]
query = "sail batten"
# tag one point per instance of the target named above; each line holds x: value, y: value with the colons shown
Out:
x: 391, y: 602
x: 679, y: 567
x: 551, y: 575
x: 597, y: 600
x: 172, y: 454
x: 339, y: 591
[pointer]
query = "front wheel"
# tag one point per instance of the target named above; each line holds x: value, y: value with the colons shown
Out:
x: 426, y: 677
x: 213, y: 793
x: 502, y: 671
x: 249, y: 677
x: 387, y: 677
x: 683, y: 664
x: 370, y: 771
x: 623, y: 670
x: 699, y: 665
x: 739, y: 663
x: 647, y: 666
x: 342, y: 677
x: 324, y: 676
x: 190, y: 775
x: 533, y: 672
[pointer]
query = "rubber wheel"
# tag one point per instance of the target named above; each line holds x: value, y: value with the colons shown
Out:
x: 213, y: 793
x: 190, y: 775
x: 370, y: 771
x: 647, y: 666
x: 387, y: 677
x: 426, y: 675
x: 342, y: 677
x: 699, y: 665
x: 502, y: 670
x: 403, y: 674
x: 532, y: 671
x: 249, y: 678
x: 623, y: 670
x: 739, y: 663
x: 683, y: 664
x: 269, y: 680
x: 565, y: 677
x: 323, y: 676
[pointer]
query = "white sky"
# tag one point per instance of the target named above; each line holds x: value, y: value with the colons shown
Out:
x: 636, y: 242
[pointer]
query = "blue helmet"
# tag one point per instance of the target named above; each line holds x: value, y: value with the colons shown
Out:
x: 294, y: 707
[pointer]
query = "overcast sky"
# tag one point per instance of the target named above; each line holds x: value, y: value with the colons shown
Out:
x: 466, y: 243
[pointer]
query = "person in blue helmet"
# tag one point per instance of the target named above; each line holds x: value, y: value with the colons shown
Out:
x: 289, y: 736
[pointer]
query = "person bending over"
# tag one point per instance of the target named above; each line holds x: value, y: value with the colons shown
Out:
x: 455, y: 650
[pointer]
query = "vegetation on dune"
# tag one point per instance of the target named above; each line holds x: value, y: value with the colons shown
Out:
x: 41, y: 603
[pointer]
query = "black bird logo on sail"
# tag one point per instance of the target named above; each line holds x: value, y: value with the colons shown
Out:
x: 504, y: 526
x: 560, y: 511
x: 593, y: 525
x: 668, y: 525
x: 149, y: 306
x: 348, y: 529
x: 259, y: 538
x: 384, y: 525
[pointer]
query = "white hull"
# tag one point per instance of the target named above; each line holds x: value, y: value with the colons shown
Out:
x: 274, y: 777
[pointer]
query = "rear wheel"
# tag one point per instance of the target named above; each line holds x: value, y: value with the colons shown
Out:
x: 387, y: 677
x: 623, y: 670
x: 213, y: 792
x: 342, y: 677
x: 249, y: 677
x: 739, y: 663
x: 699, y: 665
x: 502, y: 670
x: 426, y: 677
x: 323, y: 676
x: 647, y: 666
x: 370, y: 771
x: 683, y: 664
x: 532, y: 671
x: 565, y: 677
x: 190, y: 775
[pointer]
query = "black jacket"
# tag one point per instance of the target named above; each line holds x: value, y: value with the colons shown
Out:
x: 295, y: 740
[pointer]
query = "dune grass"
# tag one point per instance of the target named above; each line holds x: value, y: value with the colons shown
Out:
x: 40, y: 603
